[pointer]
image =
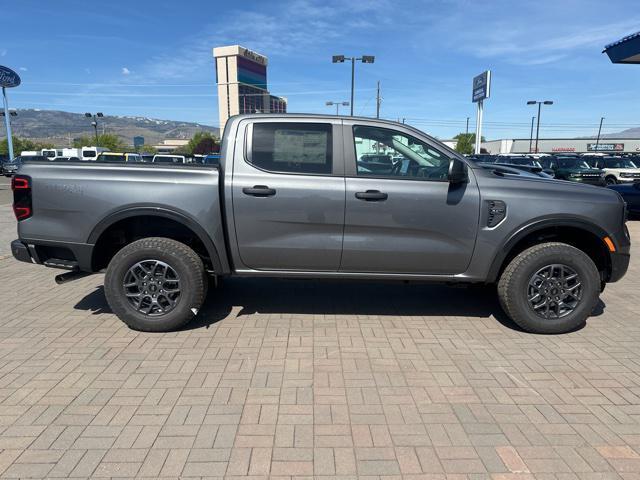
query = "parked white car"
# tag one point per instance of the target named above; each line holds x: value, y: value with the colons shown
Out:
x: 169, y: 159
x: 619, y: 170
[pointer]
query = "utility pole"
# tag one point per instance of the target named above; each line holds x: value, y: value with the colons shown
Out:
x: 599, y: 130
x: 466, y: 132
x: 378, y: 100
x: 531, y: 135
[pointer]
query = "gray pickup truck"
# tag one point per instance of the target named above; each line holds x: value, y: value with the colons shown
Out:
x: 314, y: 196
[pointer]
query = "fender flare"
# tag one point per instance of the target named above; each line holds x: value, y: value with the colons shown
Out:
x: 204, y: 237
x: 537, y: 225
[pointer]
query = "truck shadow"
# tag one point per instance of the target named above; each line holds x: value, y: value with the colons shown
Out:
x: 240, y: 297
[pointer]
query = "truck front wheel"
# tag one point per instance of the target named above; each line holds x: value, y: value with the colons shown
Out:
x: 549, y: 288
x: 155, y: 284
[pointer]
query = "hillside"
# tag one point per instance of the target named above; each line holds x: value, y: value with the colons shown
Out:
x: 59, y: 127
x: 628, y: 133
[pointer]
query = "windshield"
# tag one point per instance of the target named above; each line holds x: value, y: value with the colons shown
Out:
x: 111, y: 158
x: 89, y: 153
x: 572, y: 163
x: 619, y: 163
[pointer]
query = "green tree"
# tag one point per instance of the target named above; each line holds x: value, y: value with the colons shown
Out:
x: 203, y: 143
x: 22, y: 144
x: 466, y: 143
x: 146, y: 149
x: 107, y: 140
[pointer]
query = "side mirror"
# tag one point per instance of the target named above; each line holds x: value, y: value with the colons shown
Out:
x: 458, y: 171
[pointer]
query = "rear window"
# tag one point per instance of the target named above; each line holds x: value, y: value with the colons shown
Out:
x: 89, y: 153
x: 168, y: 160
x: 292, y: 147
x: 111, y: 158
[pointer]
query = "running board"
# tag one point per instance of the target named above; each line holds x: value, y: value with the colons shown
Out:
x: 60, y: 263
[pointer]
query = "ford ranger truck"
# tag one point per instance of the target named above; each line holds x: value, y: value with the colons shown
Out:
x: 297, y: 196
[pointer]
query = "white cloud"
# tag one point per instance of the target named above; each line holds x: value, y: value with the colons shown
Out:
x: 3, y: 52
x: 23, y: 69
x: 125, y: 71
x: 310, y: 25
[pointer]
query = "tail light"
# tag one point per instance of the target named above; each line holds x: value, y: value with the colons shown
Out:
x: 21, y: 186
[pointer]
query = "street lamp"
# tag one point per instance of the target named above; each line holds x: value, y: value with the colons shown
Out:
x: 363, y: 59
x: 534, y: 102
x: 94, y: 123
x: 337, y: 104
x: 599, y: 130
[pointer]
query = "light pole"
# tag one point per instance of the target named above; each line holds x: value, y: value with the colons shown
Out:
x: 363, y: 59
x: 337, y: 104
x: 94, y: 123
x: 7, y: 123
x: 534, y: 102
x: 531, y: 134
x: 599, y: 130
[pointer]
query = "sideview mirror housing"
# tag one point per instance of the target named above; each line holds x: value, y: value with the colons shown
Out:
x: 458, y: 171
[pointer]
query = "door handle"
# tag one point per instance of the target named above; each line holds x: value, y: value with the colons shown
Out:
x: 372, y: 196
x: 259, y: 191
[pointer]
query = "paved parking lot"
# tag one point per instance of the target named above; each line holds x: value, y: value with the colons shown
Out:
x: 307, y: 378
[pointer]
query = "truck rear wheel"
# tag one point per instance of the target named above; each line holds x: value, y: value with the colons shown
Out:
x: 549, y: 288
x: 155, y: 284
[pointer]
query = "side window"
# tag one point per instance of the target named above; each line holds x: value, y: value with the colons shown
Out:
x: 389, y: 153
x: 292, y: 147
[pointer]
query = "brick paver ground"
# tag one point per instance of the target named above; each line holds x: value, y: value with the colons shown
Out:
x: 315, y: 379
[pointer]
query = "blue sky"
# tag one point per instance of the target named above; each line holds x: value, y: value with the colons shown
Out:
x: 153, y: 58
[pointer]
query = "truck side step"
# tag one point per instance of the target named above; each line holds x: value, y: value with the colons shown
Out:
x: 63, y: 264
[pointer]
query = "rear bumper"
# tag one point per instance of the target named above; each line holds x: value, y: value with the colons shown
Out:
x: 21, y: 252
x: 66, y: 256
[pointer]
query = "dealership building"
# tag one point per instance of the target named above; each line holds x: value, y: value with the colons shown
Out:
x: 563, y: 145
x: 241, y: 76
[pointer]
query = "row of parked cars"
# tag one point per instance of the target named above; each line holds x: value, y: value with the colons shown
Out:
x: 8, y: 168
x: 618, y: 172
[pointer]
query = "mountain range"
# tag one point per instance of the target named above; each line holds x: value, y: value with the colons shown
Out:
x: 60, y: 128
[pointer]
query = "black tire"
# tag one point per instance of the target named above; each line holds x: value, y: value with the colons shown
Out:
x: 513, y: 287
x: 611, y: 180
x: 181, y: 259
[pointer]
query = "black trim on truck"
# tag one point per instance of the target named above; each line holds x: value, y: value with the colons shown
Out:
x: 106, y: 222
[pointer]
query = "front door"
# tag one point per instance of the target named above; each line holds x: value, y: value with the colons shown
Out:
x: 288, y: 195
x: 402, y: 214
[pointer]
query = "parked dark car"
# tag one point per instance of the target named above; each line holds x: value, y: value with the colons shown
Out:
x: 10, y: 168
x: 211, y: 159
x: 631, y: 194
x: 527, y: 164
x: 574, y: 169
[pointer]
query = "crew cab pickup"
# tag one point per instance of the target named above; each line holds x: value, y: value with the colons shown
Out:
x: 295, y: 196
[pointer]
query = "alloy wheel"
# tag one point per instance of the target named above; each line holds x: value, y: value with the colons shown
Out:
x: 554, y: 291
x: 152, y: 287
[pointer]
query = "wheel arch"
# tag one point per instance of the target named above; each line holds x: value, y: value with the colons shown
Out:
x: 129, y: 214
x: 580, y: 233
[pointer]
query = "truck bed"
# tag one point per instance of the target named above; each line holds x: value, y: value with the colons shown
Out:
x: 72, y: 202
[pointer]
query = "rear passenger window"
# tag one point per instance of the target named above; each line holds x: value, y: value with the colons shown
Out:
x: 292, y: 147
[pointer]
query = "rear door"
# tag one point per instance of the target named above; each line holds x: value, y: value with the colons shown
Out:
x: 409, y: 219
x: 288, y: 193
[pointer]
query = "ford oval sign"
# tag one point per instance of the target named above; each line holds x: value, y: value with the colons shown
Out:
x: 8, y: 78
